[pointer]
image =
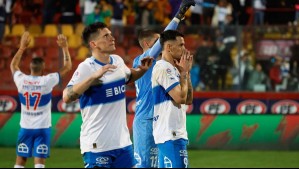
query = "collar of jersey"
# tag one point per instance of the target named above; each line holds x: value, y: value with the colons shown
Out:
x: 100, y: 63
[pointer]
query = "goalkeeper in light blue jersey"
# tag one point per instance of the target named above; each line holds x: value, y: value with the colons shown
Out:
x: 145, y: 149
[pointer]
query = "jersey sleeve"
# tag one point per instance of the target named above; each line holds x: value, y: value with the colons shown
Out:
x: 79, y: 75
x: 127, y: 71
x: 157, y: 48
x: 18, y: 77
x: 166, y: 78
x: 53, y: 79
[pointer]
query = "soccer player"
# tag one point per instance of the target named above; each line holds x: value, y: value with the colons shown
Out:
x: 172, y: 92
x: 145, y: 148
x: 35, y: 97
x: 99, y: 83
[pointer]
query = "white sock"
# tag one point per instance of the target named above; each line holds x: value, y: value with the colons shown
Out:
x: 39, y: 166
x: 18, y: 166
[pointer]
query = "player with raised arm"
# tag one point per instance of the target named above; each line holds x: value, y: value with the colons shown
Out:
x: 99, y: 83
x: 35, y: 93
x: 145, y: 148
x: 172, y: 92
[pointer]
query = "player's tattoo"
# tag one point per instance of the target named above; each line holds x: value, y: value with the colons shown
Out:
x: 71, y: 94
x: 66, y: 57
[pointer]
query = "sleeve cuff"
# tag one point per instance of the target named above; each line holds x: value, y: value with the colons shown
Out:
x: 172, y: 86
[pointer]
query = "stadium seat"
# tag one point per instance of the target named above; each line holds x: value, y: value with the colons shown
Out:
x: 50, y: 30
x: 83, y: 53
x: 79, y: 29
x: 67, y: 30
x: 74, y: 41
x: 35, y: 30
x: 7, y: 30
x: 18, y: 30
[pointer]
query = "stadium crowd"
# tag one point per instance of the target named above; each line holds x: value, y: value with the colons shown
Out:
x: 225, y: 52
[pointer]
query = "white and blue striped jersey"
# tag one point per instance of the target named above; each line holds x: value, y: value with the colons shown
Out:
x: 144, y: 101
x: 169, y: 118
x: 103, y: 106
x: 35, y: 94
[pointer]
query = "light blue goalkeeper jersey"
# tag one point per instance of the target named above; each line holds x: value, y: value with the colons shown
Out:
x: 144, y: 100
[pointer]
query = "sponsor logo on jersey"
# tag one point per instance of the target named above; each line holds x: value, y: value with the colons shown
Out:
x: 72, y: 107
x: 251, y: 107
x: 115, y: 91
x: 7, y: 104
x: 285, y: 107
x: 215, y: 106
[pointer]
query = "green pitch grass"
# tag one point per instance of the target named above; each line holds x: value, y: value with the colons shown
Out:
x: 71, y: 158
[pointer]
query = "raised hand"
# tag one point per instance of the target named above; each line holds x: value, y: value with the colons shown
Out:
x: 184, y: 64
x: 146, y: 63
x: 62, y: 41
x: 185, y: 5
x: 25, y: 40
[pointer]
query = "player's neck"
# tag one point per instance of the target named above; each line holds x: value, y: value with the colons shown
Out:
x: 36, y: 74
x: 168, y: 58
x: 102, y: 57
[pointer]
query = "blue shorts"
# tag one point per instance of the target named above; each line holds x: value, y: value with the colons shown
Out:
x: 173, y: 154
x: 37, y: 140
x: 120, y: 158
x: 146, y: 151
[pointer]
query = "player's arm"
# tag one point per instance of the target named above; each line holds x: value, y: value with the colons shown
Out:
x: 72, y: 93
x: 137, y: 73
x: 67, y: 61
x: 173, y: 25
x: 25, y: 41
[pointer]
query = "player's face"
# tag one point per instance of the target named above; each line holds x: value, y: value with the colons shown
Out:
x: 105, y: 42
x: 178, y: 47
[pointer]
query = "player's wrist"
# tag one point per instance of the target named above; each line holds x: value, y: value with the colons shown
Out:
x: 22, y: 49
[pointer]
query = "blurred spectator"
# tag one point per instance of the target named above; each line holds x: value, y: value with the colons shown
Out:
x: 89, y: 7
x: 259, y: 7
x: 297, y: 11
x: 68, y: 11
x: 117, y: 23
x: 49, y: 11
x: 82, y: 5
x: 224, y: 62
x: 2, y: 19
x: 162, y: 12
x: 196, y: 13
x: 145, y: 7
x: 221, y: 13
x: 99, y: 15
x: 275, y: 72
x: 208, y: 73
x: 258, y: 80
x: 208, y: 12
x: 241, y: 71
x: 195, y: 76
x: 8, y: 8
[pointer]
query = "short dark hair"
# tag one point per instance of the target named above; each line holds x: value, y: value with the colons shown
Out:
x: 145, y: 33
x: 169, y: 35
x: 36, y: 64
x: 91, y: 30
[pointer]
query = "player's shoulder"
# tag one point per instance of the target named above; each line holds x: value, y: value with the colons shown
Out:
x: 116, y: 58
x: 162, y: 64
